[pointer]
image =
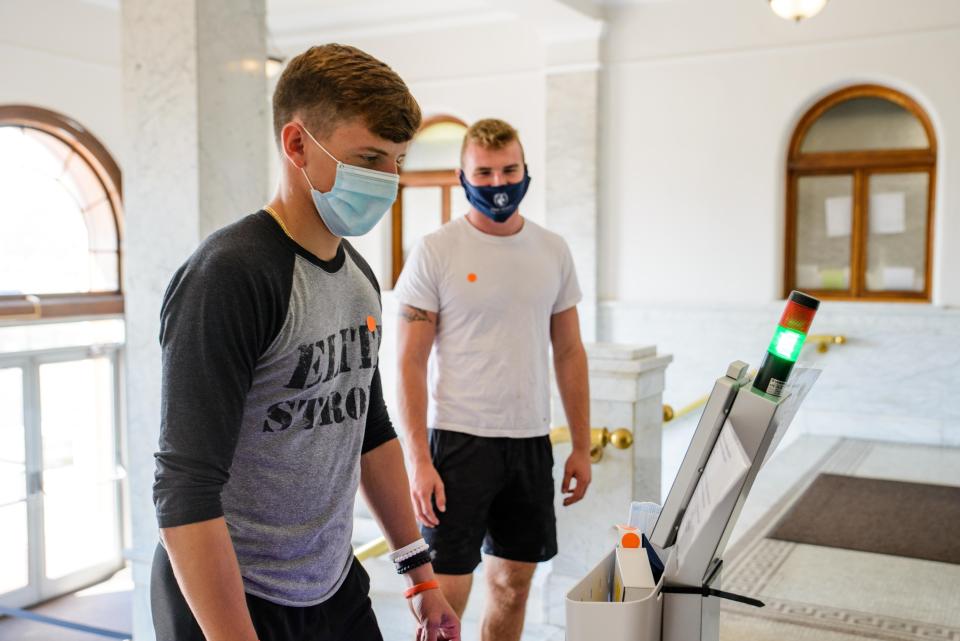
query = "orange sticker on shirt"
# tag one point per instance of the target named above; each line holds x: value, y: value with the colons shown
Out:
x: 472, y: 277
x: 371, y: 324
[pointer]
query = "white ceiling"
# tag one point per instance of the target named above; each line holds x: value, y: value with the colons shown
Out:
x: 294, y: 22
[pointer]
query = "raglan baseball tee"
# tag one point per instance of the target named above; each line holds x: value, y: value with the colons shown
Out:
x: 270, y: 394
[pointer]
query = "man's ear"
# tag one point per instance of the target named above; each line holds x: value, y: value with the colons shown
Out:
x: 291, y: 142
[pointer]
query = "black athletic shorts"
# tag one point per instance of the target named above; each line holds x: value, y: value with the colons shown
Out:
x: 499, y: 495
x: 346, y: 616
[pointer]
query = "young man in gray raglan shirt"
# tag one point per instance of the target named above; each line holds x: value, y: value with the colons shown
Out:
x: 272, y: 409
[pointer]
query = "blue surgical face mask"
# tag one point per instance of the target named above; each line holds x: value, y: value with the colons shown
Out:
x: 497, y: 203
x: 358, y: 200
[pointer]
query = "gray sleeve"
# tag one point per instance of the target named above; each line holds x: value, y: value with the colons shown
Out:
x: 220, y: 312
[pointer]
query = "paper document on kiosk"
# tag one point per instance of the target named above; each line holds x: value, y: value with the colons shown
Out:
x: 725, y: 470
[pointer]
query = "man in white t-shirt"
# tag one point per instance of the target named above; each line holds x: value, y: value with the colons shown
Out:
x: 489, y: 294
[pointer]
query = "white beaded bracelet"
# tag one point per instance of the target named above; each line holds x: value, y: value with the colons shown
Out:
x: 408, y: 551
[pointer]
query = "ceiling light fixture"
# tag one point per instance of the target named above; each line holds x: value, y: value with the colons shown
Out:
x: 797, y: 10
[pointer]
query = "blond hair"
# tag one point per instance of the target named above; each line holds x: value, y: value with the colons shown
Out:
x: 490, y: 133
x: 333, y: 83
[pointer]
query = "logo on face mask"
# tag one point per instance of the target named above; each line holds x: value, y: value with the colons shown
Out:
x: 496, y: 203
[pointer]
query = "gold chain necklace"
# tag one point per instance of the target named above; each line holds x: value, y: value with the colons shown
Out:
x: 273, y: 214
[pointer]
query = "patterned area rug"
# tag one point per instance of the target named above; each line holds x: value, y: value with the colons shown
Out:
x: 831, y: 594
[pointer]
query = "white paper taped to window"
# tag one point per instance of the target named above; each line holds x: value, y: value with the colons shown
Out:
x: 839, y: 213
x: 888, y: 213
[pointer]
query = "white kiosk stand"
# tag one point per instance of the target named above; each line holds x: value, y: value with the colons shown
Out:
x: 739, y: 427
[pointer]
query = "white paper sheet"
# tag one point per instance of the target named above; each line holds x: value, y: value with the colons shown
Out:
x: 888, y: 212
x: 725, y: 470
x: 839, y: 216
x: 808, y: 276
x: 899, y: 278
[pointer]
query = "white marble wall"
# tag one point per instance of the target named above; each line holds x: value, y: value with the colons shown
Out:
x: 571, y: 177
x: 626, y: 387
x: 195, y: 121
x: 896, y: 379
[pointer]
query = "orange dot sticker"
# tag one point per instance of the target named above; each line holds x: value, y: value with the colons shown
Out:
x: 472, y: 277
x: 630, y: 540
x: 371, y: 324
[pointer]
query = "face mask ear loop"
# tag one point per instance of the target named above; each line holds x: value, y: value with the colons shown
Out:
x: 303, y: 170
x: 324, y: 149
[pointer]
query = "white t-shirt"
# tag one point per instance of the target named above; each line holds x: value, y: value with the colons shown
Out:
x: 489, y: 368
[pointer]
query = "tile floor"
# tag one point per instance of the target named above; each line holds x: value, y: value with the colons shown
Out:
x: 108, y: 604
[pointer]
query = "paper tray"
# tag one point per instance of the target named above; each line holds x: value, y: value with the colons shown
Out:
x: 591, y: 617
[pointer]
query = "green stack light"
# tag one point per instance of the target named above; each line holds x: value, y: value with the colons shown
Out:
x: 787, y: 341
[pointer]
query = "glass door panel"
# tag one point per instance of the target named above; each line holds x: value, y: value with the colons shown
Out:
x: 422, y: 214
x: 824, y: 225
x: 459, y: 206
x: 80, y: 513
x: 14, y: 526
x: 897, y: 239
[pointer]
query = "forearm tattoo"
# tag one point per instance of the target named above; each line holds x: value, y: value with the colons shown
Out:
x: 414, y: 314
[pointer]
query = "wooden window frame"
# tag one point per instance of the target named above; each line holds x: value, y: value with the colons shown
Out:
x: 30, y: 307
x: 445, y: 179
x: 860, y: 165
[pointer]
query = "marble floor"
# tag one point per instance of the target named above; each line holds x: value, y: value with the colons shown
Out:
x: 835, y: 593
x: 796, y: 462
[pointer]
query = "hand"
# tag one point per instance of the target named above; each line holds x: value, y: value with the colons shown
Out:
x: 424, y: 484
x: 577, y: 467
x: 435, y: 617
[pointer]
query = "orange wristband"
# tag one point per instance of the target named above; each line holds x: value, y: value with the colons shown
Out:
x: 421, y: 587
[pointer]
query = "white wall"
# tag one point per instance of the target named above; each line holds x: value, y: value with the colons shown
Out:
x: 700, y: 100
x: 65, y: 56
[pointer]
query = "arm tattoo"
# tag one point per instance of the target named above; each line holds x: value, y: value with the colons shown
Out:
x: 414, y: 314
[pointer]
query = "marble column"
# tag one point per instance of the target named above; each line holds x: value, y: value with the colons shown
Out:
x: 571, y: 175
x: 626, y: 390
x: 196, y: 121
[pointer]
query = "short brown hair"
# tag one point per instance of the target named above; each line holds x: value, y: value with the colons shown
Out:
x: 332, y: 83
x: 490, y: 133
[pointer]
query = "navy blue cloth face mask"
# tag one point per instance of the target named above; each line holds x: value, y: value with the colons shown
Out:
x: 497, y: 203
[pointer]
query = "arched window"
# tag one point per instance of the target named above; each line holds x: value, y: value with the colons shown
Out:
x: 860, y: 191
x: 60, y: 218
x: 61, y: 472
x: 429, y: 188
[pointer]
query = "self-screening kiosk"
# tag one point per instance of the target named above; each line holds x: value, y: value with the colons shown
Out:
x: 741, y: 425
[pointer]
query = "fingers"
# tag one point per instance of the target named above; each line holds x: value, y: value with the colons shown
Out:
x: 567, y: 477
x: 448, y: 629
x: 440, y: 495
x: 424, y: 509
x: 578, y: 491
x: 451, y: 629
